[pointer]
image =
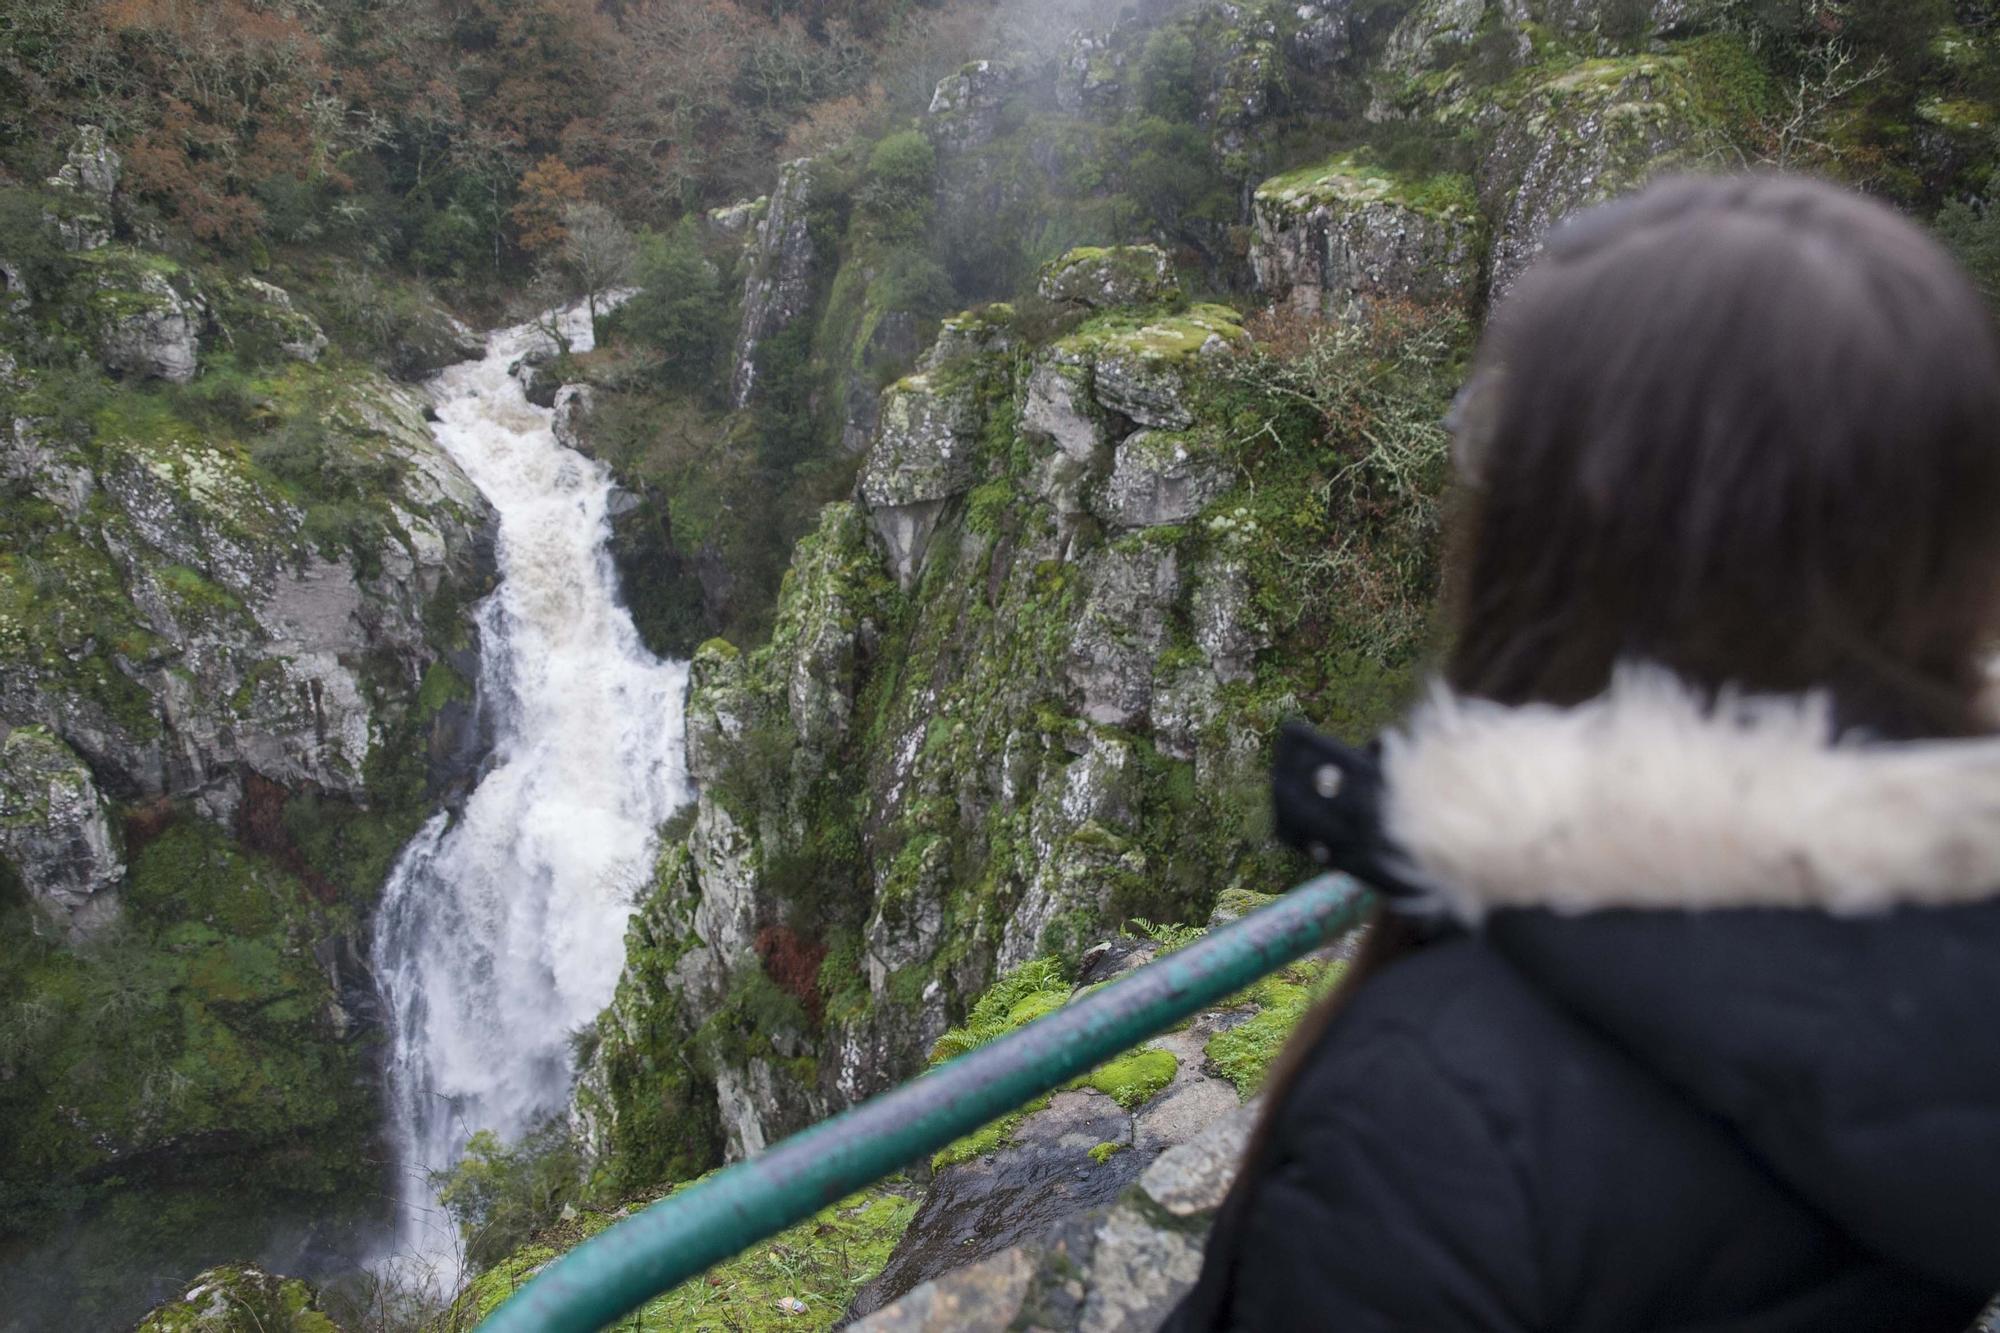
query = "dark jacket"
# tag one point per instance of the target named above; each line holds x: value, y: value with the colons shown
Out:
x: 1714, y: 1043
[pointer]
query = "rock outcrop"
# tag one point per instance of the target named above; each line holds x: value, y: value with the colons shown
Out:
x: 1087, y: 1209
x: 1578, y: 137
x: 1117, y: 1267
x: 967, y: 107
x: 924, y: 455
x: 82, y: 215
x: 230, y: 631
x: 1105, y: 278
x: 779, y: 285
x: 56, y: 830
x: 1336, y: 239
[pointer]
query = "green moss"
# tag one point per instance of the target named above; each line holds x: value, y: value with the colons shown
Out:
x: 441, y: 685
x: 201, y: 1020
x: 1132, y: 1079
x: 988, y: 1138
x: 241, y: 1300
x: 1168, y: 339
x: 1352, y: 180
x: 1104, y: 1152
x: 800, y: 1279
x: 1243, y: 1054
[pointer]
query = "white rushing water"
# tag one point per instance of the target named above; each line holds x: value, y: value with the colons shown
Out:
x: 502, y: 931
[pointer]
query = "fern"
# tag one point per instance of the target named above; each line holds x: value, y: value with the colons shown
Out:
x: 1035, y: 988
x: 1169, y: 937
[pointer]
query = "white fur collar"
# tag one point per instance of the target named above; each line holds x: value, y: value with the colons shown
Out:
x: 1647, y: 797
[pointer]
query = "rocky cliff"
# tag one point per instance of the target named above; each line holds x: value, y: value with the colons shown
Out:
x: 235, y: 667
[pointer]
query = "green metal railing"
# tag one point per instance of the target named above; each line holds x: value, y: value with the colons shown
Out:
x: 658, y: 1248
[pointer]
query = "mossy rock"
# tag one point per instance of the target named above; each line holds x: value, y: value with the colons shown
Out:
x: 241, y: 1300
x: 1107, y: 277
x: 1351, y: 180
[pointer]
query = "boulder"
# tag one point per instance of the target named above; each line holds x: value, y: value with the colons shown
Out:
x: 987, y: 331
x: 573, y: 404
x: 1105, y: 277
x: 56, y: 830
x: 1335, y: 239
x: 427, y: 338
x: 1088, y: 1215
x: 1160, y: 477
x: 267, y: 312
x: 1139, y: 368
x: 736, y: 220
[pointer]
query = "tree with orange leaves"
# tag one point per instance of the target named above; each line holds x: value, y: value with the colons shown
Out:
x: 547, y: 191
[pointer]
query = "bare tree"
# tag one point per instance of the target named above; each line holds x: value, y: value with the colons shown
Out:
x: 1832, y: 73
x: 597, y: 252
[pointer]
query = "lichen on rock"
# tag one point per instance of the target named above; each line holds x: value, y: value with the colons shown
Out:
x: 1108, y: 277
x: 1332, y: 240
x: 56, y: 830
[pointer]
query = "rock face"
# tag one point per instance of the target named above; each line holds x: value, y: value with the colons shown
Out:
x: 1089, y: 1209
x: 1592, y: 131
x: 1160, y: 477
x: 87, y: 181
x: 146, y: 327
x: 1090, y: 74
x: 779, y: 287
x: 573, y: 404
x: 1118, y: 1267
x: 229, y: 632
x: 1334, y: 240
x: 56, y: 829
x: 970, y: 655
x: 923, y: 455
x: 428, y: 338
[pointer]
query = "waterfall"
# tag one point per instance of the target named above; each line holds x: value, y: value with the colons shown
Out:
x: 501, y: 931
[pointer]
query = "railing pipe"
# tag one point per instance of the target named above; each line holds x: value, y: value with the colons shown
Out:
x: 663, y: 1245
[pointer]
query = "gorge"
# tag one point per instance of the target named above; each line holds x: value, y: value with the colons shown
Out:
x: 456, y: 789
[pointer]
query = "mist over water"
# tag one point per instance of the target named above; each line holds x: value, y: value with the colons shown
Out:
x: 502, y: 931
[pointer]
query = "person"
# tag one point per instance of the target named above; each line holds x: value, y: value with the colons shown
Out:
x: 1685, y: 1013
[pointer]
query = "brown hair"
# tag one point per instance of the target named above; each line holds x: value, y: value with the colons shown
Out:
x: 1747, y: 428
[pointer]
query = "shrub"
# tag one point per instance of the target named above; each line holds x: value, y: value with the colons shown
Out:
x: 500, y: 1196
x: 896, y: 197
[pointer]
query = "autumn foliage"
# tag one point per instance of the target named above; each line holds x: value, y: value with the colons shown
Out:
x: 793, y: 962
x: 454, y: 135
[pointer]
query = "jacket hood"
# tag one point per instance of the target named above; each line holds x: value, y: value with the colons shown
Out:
x: 1798, y: 931
x: 1651, y: 797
